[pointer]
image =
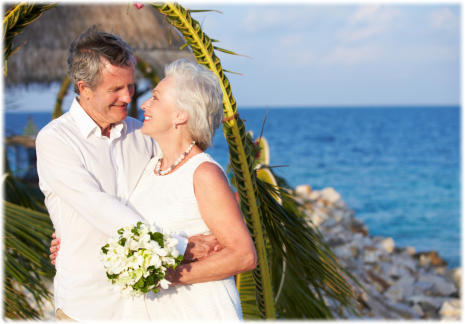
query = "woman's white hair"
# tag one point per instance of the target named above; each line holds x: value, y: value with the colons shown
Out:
x: 198, y: 93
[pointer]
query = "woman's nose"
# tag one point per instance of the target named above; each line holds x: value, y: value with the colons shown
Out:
x: 144, y: 106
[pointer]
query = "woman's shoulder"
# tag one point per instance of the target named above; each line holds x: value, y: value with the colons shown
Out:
x: 204, y: 161
x: 207, y: 169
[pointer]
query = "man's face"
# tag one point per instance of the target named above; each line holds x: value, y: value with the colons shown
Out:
x: 107, y: 103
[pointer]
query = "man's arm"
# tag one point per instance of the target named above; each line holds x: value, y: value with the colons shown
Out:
x: 60, y: 169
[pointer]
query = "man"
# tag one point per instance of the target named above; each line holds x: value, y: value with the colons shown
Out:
x: 89, y: 160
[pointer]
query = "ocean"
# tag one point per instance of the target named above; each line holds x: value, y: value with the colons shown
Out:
x: 398, y: 168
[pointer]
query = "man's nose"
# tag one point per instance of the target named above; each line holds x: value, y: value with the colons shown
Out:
x: 126, y: 96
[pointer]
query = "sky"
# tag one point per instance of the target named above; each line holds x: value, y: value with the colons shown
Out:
x: 315, y: 54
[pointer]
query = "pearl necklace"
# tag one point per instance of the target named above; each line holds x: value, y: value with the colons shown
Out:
x: 175, y: 164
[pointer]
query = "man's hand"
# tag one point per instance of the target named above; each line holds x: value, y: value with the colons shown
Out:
x: 54, y: 247
x: 200, y: 247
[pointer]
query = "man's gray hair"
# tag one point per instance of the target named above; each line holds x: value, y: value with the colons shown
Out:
x: 90, y: 51
x: 198, y: 92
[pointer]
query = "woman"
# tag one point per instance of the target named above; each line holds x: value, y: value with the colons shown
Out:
x: 185, y: 190
x: 192, y: 195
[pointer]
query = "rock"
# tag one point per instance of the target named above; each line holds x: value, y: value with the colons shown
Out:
x: 303, y: 191
x: 401, y: 289
x: 457, y: 277
x: 370, y: 254
x: 450, y: 309
x: 387, y: 245
x: 406, y: 262
x: 396, y: 272
x: 410, y: 250
x: 358, y: 227
x: 430, y: 258
x: 340, y: 215
x: 338, y: 235
x: 417, y: 309
x: 421, y: 287
x: 343, y: 251
x: 381, y: 284
x: 329, y: 195
x: 441, y: 287
x: 314, y: 195
x: 383, y: 309
x: 427, y: 303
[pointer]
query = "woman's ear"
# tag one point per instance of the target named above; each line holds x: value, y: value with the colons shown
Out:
x: 181, y: 117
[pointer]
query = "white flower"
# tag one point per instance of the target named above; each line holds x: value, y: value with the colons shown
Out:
x: 165, y: 284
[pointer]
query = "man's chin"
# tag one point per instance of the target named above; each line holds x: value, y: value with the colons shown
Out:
x: 120, y: 113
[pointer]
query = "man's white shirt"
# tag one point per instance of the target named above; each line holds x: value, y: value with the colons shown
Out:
x: 86, y: 179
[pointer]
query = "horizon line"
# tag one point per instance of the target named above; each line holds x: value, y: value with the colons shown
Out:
x: 299, y: 106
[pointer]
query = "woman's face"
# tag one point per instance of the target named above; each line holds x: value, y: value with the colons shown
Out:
x: 160, y: 110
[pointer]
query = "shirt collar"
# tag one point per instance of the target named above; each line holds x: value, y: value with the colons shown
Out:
x: 88, y: 126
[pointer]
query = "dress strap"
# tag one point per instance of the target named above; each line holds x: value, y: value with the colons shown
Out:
x: 200, y: 158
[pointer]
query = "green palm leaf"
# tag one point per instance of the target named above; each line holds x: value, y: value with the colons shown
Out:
x: 310, y: 268
x: 27, y: 230
x: 15, y: 20
x: 239, y: 151
x: 26, y: 236
x: 58, y: 110
x: 246, y: 288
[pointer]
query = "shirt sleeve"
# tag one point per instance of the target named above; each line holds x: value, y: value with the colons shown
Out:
x: 62, y: 172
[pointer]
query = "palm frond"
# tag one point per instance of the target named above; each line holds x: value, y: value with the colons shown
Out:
x: 239, y: 151
x: 228, y: 71
x: 246, y: 288
x: 27, y: 230
x: 26, y: 236
x: 204, y: 10
x: 15, y: 20
x: 58, y: 110
x: 312, y: 271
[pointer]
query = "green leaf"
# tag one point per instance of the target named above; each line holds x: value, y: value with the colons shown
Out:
x: 157, y: 237
x: 122, y: 241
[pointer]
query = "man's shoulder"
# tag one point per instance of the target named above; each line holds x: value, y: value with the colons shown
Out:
x: 59, y: 124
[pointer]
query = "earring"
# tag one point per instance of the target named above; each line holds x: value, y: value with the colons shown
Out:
x: 174, y: 126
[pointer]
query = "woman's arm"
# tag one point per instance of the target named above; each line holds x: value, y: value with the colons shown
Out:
x: 220, y: 211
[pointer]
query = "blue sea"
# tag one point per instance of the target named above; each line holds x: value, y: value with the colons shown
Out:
x: 398, y: 168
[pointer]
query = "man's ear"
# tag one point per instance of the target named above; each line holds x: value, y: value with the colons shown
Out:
x: 84, y: 90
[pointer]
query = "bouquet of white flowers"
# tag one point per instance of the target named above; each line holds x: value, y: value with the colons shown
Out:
x: 136, y: 260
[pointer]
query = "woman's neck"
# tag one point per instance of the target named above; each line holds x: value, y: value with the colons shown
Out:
x: 173, y: 147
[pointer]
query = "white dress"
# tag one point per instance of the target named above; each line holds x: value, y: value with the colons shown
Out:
x: 169, y: 201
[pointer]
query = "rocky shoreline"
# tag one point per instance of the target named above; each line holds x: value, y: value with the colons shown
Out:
x: 399, y: 282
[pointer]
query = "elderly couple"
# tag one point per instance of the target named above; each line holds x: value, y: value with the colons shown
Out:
x: 101, y: 170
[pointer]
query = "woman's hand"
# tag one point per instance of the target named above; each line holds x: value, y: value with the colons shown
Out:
x: 54, y: 248
x: 199, y: 247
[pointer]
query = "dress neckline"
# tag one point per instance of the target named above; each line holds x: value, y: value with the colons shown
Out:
x: 155, y: 159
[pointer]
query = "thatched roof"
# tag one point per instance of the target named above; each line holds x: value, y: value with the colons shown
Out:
x: 45, y: 42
